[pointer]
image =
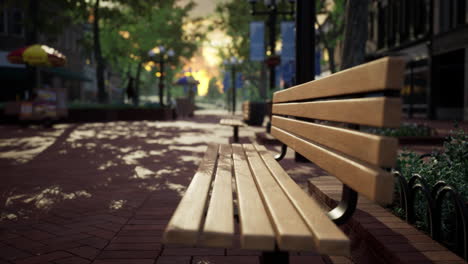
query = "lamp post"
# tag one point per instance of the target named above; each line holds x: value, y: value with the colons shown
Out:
x: 272, y: 13
x: 233, y: 62
x: 162, y: 59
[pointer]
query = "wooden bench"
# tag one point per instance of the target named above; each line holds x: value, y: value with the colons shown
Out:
x: 235, y: 124
x: 320, y: 120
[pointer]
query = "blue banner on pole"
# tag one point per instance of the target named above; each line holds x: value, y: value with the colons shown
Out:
x: 239, y: 82
x: 288, y: 47
x: 226, y: 81
x: 318, y: 69
x: 288, y: 72
x: 288, y: 52
x: 257, y: 41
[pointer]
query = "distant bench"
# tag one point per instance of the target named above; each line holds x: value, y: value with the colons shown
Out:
x: 321, y: 121
x: 235, y: 124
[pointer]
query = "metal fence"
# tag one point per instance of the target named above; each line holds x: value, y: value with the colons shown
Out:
x: 437, y: 209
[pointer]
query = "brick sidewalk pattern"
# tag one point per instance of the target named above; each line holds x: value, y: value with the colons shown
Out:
x: 103, y: 192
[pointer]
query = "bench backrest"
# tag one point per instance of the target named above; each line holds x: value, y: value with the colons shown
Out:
x: 323, y: 120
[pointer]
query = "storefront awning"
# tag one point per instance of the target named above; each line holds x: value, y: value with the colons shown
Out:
x: 13, y: 73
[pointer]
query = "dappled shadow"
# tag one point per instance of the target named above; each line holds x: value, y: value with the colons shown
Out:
x: 19, y: 145
x: 107, y: 167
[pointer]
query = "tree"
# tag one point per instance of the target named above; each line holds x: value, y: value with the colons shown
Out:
x: 126, y: 44
x: 110, y: 13
x: 355, y: 38
x: 234, y: 18
x: 213, y: 89
x: 331, y: 29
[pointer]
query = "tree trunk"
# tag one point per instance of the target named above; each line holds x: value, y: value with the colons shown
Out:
x: 102, y: 96
x: 331, y: 59
x: 136, y: 98
x: 32, y: 36
x: 355, y: 33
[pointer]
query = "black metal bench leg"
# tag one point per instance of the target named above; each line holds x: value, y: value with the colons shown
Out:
x: 273, y: 257
x: 236, y: 134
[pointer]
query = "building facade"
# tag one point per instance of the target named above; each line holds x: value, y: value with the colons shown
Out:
x: 433, y: 36
x: 77, y: 76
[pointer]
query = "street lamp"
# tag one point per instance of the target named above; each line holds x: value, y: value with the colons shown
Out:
x: 233, y: 62
x: 272, y: 12
x: 162, y: 59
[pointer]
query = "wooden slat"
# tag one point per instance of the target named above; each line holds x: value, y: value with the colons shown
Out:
x: 383, y: 74
x: 219, y: 224
x: 291, y: 231
x: 379, y: 111
x: 255, y: 227
x: 369, y: 180
x: 186, y: 221
x: 231, y: 122
x: 378, y: 150
x: 328, y: 238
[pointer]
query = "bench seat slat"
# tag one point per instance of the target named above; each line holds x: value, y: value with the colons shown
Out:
x: 218, y: 230
x: 255, y: 227
x: 379, y: 150
x: 369, y: 180
x: 231, y: 122
x: 291, y: 231
x: 380, y: 75
x: 328, y: 238
x: 186, y: 221
x: 379, y: 112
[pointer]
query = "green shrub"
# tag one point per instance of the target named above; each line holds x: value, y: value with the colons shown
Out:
x: 450, y: 166
x: 405, y: 130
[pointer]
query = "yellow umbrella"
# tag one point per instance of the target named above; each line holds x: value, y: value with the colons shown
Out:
x: 38, y: 55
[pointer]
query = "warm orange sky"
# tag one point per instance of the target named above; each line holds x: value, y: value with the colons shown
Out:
x: 205, y: 64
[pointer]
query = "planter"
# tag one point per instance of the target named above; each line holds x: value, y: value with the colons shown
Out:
x: 253, y: 113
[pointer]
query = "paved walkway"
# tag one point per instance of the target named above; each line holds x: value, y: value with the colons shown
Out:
x: 103, y: 192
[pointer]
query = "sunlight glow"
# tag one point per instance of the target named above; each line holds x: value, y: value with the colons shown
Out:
x: 124, y: 34
x: 117, y: 204
x: 204, y: 79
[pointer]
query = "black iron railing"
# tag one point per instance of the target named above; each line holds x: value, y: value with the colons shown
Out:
x: 438, y: 209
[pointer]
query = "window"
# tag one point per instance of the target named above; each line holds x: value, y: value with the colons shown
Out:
x: 16, y: 23
x: 461, y: 12
x: 403, y: 22
x: 3, y: 24
x: 381, y: 37
x: 453, y: 13
x: 371, y: 25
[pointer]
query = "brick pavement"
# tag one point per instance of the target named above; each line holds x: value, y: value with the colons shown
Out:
x: 103, y: 192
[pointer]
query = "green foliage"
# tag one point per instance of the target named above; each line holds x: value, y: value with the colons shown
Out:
x: 213, y: 89
x: 405, y: 130
x: 450, y: 166
x: 234, y: 19
x: 126, y: 41
x: 331, y: 30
